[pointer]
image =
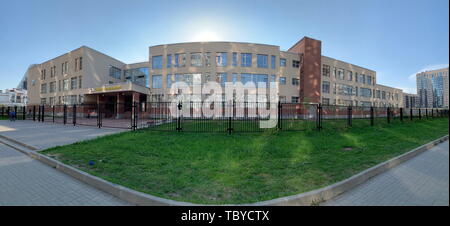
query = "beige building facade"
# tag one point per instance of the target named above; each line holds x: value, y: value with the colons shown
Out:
x: 87, y: 76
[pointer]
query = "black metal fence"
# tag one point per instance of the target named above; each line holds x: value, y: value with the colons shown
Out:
x: 225, y: 117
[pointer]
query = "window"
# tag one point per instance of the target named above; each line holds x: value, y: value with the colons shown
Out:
x: 43, y: 101
x: 221, y: 59
x: 369, y: 80
x: 235, y: 59
x: 157, y: 62
x: 52, y: 87
x: 196, y: 60
x: 261, y: 61
x: 294, y: 99
x: 246, y: 60
x: 78, y: 63
x: 66, y: 84
x: 296, y: 63
x: 283, y: 80
x: 366, y: 103
x: 64, y: 67
x: 51, y: 101
x: 53, y: 71
x: 43, y: 72
x: 73, y: 83
x: 115, y: 72
x: 60, y: 85
x: 326, y: 70
x: 261, y: 78
x: 208, y: 59
x: 273, y: 78
x: 325, y: 87
x: 378, y: 95
x: 325, y: 101
x: 234, y: 78
x: 273, y: 60
x: 340, y: 74
x: 79, y: 82
x: 169, y: 61
x: 343, y: 89
x: 350, y: 76
x: 44, y: 88
x: 365, y: 92
x: 295, y: 81
x: 157, y: 81
x: 361, y: 78
x: 169, y: 81
x: 282, y: 62
x: 138, y: 76
x: 221, y: 78
x: 246, y: 78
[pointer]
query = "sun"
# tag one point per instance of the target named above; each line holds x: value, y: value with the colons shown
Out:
x: 205, y: 36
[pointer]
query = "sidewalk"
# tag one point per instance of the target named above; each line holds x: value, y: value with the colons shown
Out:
x: 421, y: 181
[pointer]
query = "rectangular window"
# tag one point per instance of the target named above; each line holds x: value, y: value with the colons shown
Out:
x: 76, y: 64
x: 66, y: 85
x: 295, y: 81
x: 326, y: 70
x: 365, y: 92
x: 369, y: 79
x: 196, y: 60
x: 43, y: 74
x: 221, y: 78
x: 246, y: 78
x: 273, y: 78
x: 221, y: 59
x: 340, y: 74
x: 325, y: 87
x: 44, y: 88
x: 234, y: 78
x: 157, y: 62
x: 52, y: 87
x: 361, y: 78
x: 273, y: 62
x: 115, y: 72
x: 157, y: 81
x: 246, y: 59
x: 282, y: 62
x: 43, y: 101
x: 235, y: 59
x: 283, y: 80
x: 325, y: 101
x: 296, y: 63
x: 177, y: 60
x: 261, y: 61
x: 73, y: 83
x: 169, y: 81
x: 294, y: 99
x: 378, y: 94
x: 350, y: 76
x: 208, y: 59
x: 79, y: 82
x: 80, y: 63
x: 169, y: 61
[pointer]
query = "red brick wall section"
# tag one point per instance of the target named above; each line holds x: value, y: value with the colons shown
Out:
x: 310, y: 70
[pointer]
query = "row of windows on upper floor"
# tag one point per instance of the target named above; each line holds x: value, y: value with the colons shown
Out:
x: 78, y: 66
x: 348, y: 90
x: 70, y: 99
x: 63, y: 85
x: 339, y: 73
x: 342, y: 102
x: 204, y: 59
x: 222, y: 78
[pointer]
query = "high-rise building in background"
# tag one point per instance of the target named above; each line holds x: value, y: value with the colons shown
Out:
x: 432, y: 88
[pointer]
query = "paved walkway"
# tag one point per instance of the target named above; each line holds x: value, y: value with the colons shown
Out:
x: 26, y: 181
x: 421, y: 181
x: 47, y: 134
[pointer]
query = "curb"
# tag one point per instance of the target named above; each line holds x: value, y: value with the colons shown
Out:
x: 19, y: 143
x: 303, y: 199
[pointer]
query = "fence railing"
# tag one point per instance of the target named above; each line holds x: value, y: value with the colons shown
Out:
x: 226, y: 117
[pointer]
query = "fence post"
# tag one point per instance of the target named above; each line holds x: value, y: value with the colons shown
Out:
x: 319, y: 116
x: 24, y: 111
x: 53, y: 114
x: 349, y: 115
x: 372, y: 116
x: 15, y: 110
x: 39, y: 113
x: 180, y: 106
x: 34, y: 112
x: 43, y: 113
x: 388, y: 112
x: 65, y: 114
x: 401, y: 114
x: 279, y: 115
x: 420, y: 115
x: 3, y: 110
x: 426, y: 112
x: 411, y: 114
x: 74, y: 116
x: 99, y: 117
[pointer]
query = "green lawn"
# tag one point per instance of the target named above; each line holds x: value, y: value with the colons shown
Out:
x: 218, y: 168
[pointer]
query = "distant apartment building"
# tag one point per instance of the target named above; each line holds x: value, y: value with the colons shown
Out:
x: 13, y: 97
x: 411, y: 100
x: 87, y: 76
x: 432, y: 88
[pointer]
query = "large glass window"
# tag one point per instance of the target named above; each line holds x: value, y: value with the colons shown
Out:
x: 282, y: 62
x: 295, y: 81
x: 326, y: 70
x: 282, y: 80
x: 234, y: 78
x: 346, y: 90
x: 365, y: 92
x: 169, y: 81
x: 52, y: 87
x: 361, y: 78
x: 44, y: 88
x: 115, y: 72
x: 180, y: 60
x: 340, y: 74
x: 196, y: 60
x: 262, y: 61
x: 369, y: 79
x: 273, y: 62
x: 350, y: 76
x: 325, y: 87
x: 157, y: 62
x: 157, y: 81
x: 246, y: 78
x: 261, y: 78
x: 169, y: 60
x: 221, y: 59
x: 66, y: 84
x: 296, y: 63
x: 73, y: 83
x: 246, y: 59
x: 138, y: 76
x: 235, y: 59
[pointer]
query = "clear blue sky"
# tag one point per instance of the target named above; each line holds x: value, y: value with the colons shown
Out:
x: 396, y: 38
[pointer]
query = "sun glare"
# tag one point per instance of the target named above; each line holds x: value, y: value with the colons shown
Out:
x: 205, y: 36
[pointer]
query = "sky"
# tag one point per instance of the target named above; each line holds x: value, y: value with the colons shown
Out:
x: 396, y: 38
